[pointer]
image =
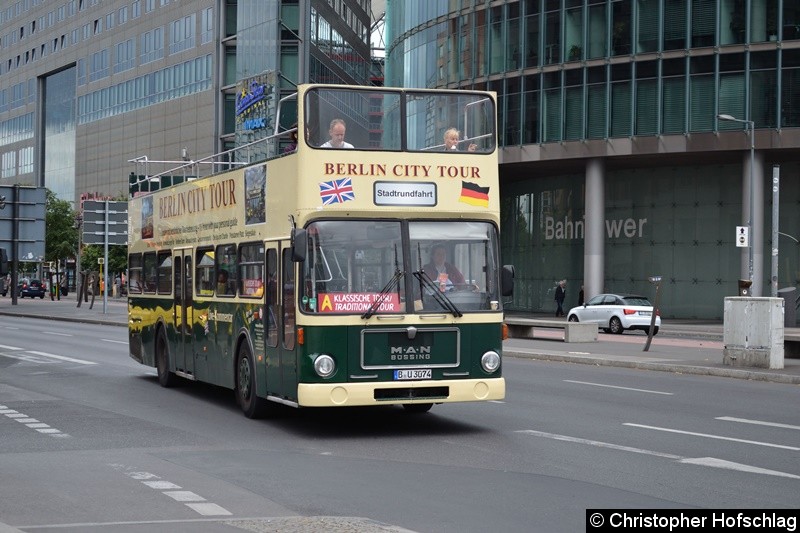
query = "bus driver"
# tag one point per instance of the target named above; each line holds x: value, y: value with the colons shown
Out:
x: 444, y: 274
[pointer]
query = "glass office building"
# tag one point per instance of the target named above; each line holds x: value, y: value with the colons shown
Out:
x: 88, y: 85
x: 615, y: 162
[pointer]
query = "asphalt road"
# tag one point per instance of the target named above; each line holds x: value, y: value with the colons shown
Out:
x: 90, y: 442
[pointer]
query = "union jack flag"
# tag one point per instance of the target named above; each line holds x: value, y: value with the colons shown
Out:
x: 336, y: 191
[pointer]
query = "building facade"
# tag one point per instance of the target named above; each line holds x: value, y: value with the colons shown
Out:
x: 88, y: 85
x: 630, y: 130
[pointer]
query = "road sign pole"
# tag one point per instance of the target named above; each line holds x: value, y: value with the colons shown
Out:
x: 15, y: 245
x: 105, y: 263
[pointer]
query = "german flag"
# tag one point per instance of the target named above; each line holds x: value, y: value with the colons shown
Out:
x: 473, y: 194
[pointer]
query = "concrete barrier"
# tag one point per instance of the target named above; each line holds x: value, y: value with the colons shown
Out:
x: 753, y: 332
x: 525, y: 328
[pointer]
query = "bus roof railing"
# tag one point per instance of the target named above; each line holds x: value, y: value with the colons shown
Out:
x: 221, y: 161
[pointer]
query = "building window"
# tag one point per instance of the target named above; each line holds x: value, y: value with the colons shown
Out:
x: 136, y: 9
x: 26, y: 160
x: 98, y: 67
x: 9, y: 169
x: 152, y: 45
x: 207, y: 25
x: 149, y: 5
x: 126, y: 56
x: 122, y: 15
x: 182, y: 34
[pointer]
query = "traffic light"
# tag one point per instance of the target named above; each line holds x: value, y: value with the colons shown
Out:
x: 3, y: 262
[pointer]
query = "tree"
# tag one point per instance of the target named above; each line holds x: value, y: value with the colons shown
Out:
x: 61, y: 237
x: 117, y: 258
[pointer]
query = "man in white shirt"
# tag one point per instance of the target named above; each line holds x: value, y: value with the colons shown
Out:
x: 336, y: 132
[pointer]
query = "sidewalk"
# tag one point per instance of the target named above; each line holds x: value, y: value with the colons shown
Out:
x: 67, y: 309
x: 681, y: 346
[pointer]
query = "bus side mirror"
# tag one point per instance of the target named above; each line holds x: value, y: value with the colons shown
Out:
x: 507, y: 280
x: 299, y: 244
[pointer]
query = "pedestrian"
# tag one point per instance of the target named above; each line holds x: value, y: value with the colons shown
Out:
x: 561, y: 293
x: 580, y: 296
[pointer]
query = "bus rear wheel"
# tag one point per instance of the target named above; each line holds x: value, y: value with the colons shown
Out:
x: 252, y: 406
x: 165, y: 377
x: 417, y: 408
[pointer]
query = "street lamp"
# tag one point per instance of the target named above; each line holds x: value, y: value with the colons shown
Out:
x: 752, y: 127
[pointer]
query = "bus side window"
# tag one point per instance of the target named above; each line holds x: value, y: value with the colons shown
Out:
x: 272, y: 297
x: 149, y: 281
x: 225, y: 262
x: 204, y: 272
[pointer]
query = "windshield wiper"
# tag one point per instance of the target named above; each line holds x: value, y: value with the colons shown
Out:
x: 440, y: 297
x: 398, y: 274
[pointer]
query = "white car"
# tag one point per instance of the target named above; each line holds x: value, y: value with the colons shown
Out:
x: 616, y: 312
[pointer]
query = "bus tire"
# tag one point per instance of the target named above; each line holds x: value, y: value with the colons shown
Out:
x: 165, y: 377
x: 417, y: 408
x: 252, y: 406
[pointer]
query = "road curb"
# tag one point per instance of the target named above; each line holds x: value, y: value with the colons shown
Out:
x: 752, y: 375
x: 80, y: 320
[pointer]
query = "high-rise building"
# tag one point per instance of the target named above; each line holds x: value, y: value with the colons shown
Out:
x: 626, y: 130
x: 88, y: 85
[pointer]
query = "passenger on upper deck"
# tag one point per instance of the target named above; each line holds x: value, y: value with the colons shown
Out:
x: 336, y: 132
x: 451, y: 139
x: 292, y: 146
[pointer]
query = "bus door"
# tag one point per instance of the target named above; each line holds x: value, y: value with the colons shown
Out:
x: 184, y: 352
x: 280, y: 321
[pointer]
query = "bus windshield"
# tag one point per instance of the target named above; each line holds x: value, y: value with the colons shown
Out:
x: 394, y: 121
x: 357, y: 267
x: 350, y: 263
x: 456, y: 259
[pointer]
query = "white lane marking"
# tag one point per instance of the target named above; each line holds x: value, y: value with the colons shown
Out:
x: 161, y: 485
x: 115, y: 342
x: 143, y: 475
x: 728, y: 465
x: 9, y: 327
x: 184, y: 496
x: 28, y: 358
x: 209, y: 509
x: 618, y: 387
x: 7, y: 347
x: 757, y: 422
x: 58, y: 334
x: 204, y: 508
x: 496, y: 401
x: 63, y: 358
x: 700, y: 461
x: 598, y: 443
x: 719, y: 437
x: 32, y: 423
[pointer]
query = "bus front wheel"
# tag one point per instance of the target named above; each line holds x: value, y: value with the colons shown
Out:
x: 252, y: 405
x: 165, y: 377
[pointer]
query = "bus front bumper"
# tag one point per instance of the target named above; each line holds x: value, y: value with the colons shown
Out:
x: 400, y: 392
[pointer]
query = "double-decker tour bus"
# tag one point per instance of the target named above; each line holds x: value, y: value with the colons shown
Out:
x: 359, y: 267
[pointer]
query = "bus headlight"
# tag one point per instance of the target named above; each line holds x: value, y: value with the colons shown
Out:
x: 490, y: 361
x: 324, y: 366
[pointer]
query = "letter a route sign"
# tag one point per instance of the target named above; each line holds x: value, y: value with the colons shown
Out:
x: 101, y: 218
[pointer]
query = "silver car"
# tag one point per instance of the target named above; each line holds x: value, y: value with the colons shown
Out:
x: 616, y: 312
